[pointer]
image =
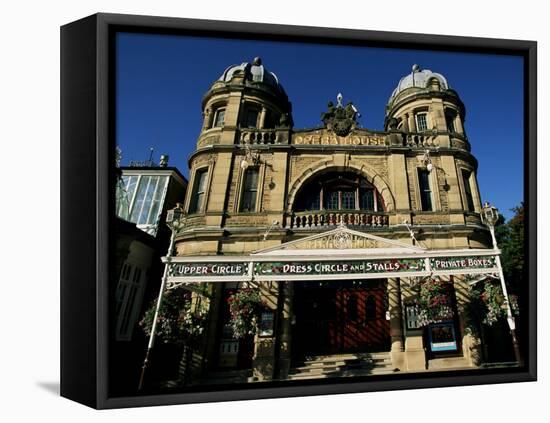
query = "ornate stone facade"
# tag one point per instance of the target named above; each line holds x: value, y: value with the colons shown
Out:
x: 254, y: 182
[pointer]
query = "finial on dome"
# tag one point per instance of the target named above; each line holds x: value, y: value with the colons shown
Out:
x: 257, y: 61
x: 416, y: 68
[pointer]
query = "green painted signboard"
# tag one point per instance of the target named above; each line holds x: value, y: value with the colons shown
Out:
x: 339, y: 267
x: 463, y: 263
x: 208, y: 269
x: 334, y: 268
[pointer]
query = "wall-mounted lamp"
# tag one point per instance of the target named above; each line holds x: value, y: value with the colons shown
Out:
x: 426, y: 159
x: 250, y: 158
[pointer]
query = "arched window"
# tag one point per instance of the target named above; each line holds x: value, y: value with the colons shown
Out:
x: 339, y: 191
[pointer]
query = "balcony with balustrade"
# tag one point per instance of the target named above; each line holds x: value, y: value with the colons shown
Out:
x: 263, y: 136
x: 338, y: 197
x: 327, y: 218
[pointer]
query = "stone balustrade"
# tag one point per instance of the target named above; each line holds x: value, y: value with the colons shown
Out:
x: 261, y: 136
x: 421, y: 139
x: 325, y: 218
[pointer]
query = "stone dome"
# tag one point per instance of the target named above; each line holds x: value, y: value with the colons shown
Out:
x: 254, y: 72
x: 418, y: 78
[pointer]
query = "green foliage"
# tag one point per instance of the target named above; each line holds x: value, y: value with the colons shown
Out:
x: 435, y: 302
x: 487, y: 305
x: 245, y: 306
x: 513, y: 250
x: 178, y: 321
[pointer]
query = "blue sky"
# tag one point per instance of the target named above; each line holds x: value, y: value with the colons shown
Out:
x: 161, y: 80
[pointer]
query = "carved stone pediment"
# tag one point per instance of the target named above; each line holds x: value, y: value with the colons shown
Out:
x: 341, y: 238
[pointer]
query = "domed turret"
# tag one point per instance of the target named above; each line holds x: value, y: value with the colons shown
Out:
x: 253, y: 72
x: 246, y: 96
x: 423, y: 102
x: 421, y: 79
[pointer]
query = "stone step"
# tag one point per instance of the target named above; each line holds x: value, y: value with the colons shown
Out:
x: 339, y: 365
x: 349, y: 373
x: 359, y: 356
x: 351, y: 362
x: 342, y: 366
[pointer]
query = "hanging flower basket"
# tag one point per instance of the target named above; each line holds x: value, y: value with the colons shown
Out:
x: 179, y: 321
x: 495, y: 303
x: 435, y: 302
x: 245, y: 306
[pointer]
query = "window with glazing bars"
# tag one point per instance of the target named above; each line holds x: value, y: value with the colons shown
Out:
x: 219, y: 117
x: 366, y: 199
x: 250, y: 190
x: 421, y: 122
x: 468, y: 190
x: 199, y: 192
x: 146, y: 194
x: 331, y: 200
x: 127, y: 296
x: 425, y: 190
x: 348, y: 200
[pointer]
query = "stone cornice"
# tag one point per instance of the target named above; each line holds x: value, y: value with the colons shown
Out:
x: 334, y: 148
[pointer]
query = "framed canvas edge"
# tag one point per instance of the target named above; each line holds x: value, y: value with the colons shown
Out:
x: 105, y: 128
x: 78, y: 271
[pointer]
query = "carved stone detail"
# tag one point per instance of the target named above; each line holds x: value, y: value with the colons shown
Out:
x: 341, y: 120
x: 212, y: 140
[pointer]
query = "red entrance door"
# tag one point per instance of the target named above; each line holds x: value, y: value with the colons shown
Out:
x: 360, y: 323
x: 341, y: 317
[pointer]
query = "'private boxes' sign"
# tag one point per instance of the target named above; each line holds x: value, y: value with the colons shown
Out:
x: 461, y: 263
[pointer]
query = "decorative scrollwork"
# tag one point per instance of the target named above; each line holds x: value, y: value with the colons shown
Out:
x: 341, y: 120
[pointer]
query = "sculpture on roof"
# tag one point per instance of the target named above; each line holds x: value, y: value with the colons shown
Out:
x: 342, y: 120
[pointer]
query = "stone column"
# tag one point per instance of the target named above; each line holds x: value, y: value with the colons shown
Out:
x: 415, y: 356
x: 262, y: 118
x: 454, y: 196
x: 397, y: 178
x: 207, y: 119
x: 458, y: 125
x: 263, y: 363
x: 285, y: 329
x: 406, y: 127
x: 211, y: 339
x: 475, y: 192
x: 396, y: 323
x: 412, y: 123
x: 471, y: 346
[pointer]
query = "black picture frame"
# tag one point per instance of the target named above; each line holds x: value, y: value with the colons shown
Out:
x: 87, y: 173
